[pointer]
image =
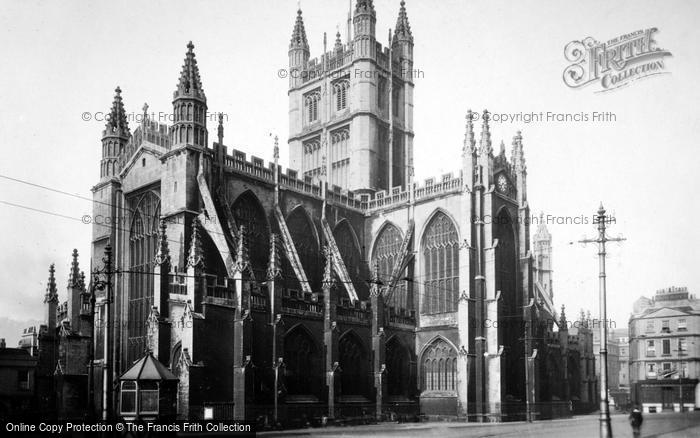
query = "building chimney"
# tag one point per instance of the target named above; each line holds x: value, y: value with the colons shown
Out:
x: 2, y: 343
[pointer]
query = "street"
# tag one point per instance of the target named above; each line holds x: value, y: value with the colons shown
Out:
x: 655, y: 425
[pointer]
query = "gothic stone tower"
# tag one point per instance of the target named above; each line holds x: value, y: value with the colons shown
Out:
x: 351, y: 109
x: 543, y: 256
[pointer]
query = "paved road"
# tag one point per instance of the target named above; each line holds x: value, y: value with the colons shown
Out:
x: 655, y: 426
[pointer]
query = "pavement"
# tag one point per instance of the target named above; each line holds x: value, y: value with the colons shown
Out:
x: 662, y: 425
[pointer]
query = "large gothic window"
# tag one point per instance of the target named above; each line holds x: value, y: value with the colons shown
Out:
x: 387, y: 250
x: 339, y: 157
x: 304, y: 237
x: 354, y: 365
x: 345, y: 239
x: 509, y: 306
x: 439, y: 367
x: 248, y: 212
x: 441, y: 265
x: 398, y: 364
x: 301, y: 362
x: 143, y: 234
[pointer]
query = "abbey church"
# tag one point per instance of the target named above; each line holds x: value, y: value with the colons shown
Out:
x: 339, y: 287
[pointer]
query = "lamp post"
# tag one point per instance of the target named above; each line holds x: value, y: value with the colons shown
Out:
x: 601, y: 219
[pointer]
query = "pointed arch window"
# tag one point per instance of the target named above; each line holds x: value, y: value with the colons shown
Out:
x: 248, y: 212
x: 441, y: 266
x: 387, y: 251
x: 143, y: 235
x: 311, y: 104
x: 345, y: 239
x: 304, y: 237
x: 301, y: 362
x: 439, y: 367
x: 355, y: 365
x: 398, y: 363
x: 340, y: 93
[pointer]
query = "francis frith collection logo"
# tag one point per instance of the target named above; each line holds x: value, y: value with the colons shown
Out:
x: 615, y: 63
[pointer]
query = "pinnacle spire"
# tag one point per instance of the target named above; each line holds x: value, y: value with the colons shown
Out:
x: 190, y: 83
x: 117, y: 125
x: 542, y: 233
x: 242, y: 260
x: 51, y: 291
x: 299, y: 40
x: 74, y: 276
x: 562, y: 318
x: 338, y: 43
x: 196, y: 254
x: 517, y: 155
x: 403, y: 28
x: 220, y: 130
x: 274, y: 269
x: 328, y: 267
x: 469, y: 141
x: 163, y: 252
x: 485, y: 142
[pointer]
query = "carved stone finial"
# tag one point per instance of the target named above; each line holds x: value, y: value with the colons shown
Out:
x: 196, y: 254
x: 163, y: 252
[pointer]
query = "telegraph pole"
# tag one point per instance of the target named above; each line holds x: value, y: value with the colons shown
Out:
x: 106, y: 323
x: 601, y: 219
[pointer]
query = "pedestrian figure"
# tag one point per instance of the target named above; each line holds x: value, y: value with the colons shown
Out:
x: 636, y: 421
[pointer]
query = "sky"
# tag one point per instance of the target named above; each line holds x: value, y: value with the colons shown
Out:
x: 62, y: 60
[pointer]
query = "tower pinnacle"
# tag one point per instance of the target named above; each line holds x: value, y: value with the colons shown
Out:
x: 190, y: 83
x: 74, y: 276
x: 485, y: 142
x: 469, y: 141
x: 403, y: 28
x: 299, y: 40
x: 51, y: 291
x: 117, y: 125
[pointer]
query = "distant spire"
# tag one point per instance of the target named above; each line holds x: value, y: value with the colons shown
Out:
x: 469, y: 141
x: 562, y: 318
x: 163, y: 252
x: 542, y: 233
x: 403, y: 28
x: 117, y: 125
x: 74, y: 276
x: 517, y: 155
x: 190, y: 83
x: 51, y: 291
x: 338, y: 43
x: 145, y: 113
x: 196, y: 254
x: 220, y: 129
x: 299, y: 40
x: 503, y: 149
x: 485, y: 142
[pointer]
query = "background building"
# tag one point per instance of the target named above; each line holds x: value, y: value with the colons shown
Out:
x: 17, y: 383
x: 664, y: 341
